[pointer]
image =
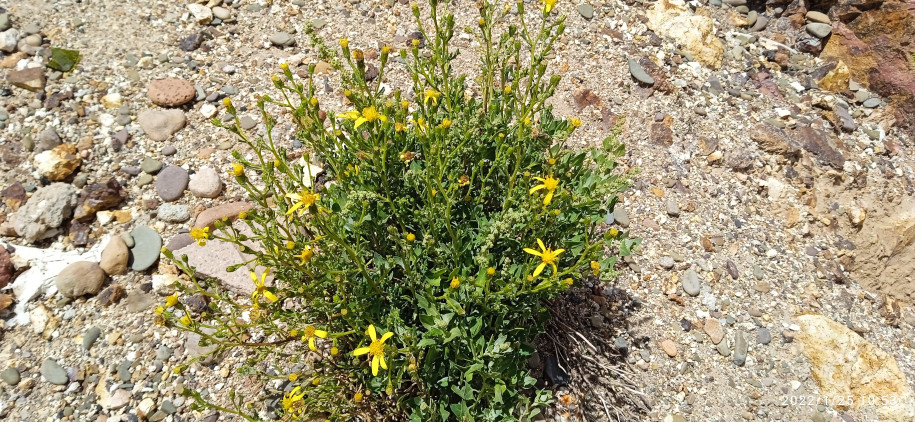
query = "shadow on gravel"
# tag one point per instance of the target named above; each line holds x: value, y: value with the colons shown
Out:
x: 584, y: 355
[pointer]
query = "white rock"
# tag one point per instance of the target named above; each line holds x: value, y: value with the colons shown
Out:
x: 208, y: 110
x: 39, y: 318
x: 8, y: 40
x: 112, y: 100
x: 163, y: 282
x: 147, y: 406
x: 202, y: 14
x: 205, y: 183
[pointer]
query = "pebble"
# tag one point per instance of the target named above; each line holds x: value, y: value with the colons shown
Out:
x: 202, y: 14
x: 208, y: 110
x: 144, y: 179
x: 80, y: 278
x: 53, y: 372
x: 190, y: 42
x: 621, y: 216
x: 586, y: 10
x: 47, y: 140
x: 691, y: 283
x: 170, y: 92
x: 669, y: 347
x: 171, y: 183
x: 151, y: 165
x: 173, y: 213
x: 8, y: 40
x: 205, y: 183
x: 10, y: 376
x: 281, y: 39
x: 229, y: 211
x: 118, y: 399
x: 160, y: 124
x: 169, y: 150
x: 820, y: 17
x: 247, y: 123
x: 115, y: 256
x: 146, y: 248
x: 666, y: 262
x: 638, y: 73
x: 731, y: 267
x: 222, y: 13
x: 819, y: 30
x: 872, y: 102
x: 90, y: 337
x: 740, y: 348
x: 673, y: 209
x: 179, y: 241
x: 713, y: 328
x: 763, y: 336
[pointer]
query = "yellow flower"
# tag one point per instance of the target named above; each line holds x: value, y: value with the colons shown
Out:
x: 548, y: 5
x: 227, y: 102
x: 171, y: 300
x: 275, y: 78
x: 490, y: 271
x: 375, y: 349
x: 405, y: 104
x: 160, y: 310
x: 455, y: 283
x: 310, y: 333
x: 313, y: 101
x: 290, y: 244
x: 200, y: 235
x: 186, y: 320
x: 370, y: 114
x: 238, y: 169
x: 507, y: 90
x: 445, y: 124
x: 431, y: 95
x: 291, y: 398
x: 411, y: 237
x: 284, y: 66
x: 260, y: 287
x: 303, y: 200
x: 344, y: 43
x: 575, y: 122
x: 334, y: 351
x: 415, y: 42
x: 399, y: 127
x: 242, y: 215
x: 595, y: 266
x: 552, y: 161
x: 385, y: 49
x: 614, y: 232
x: 550, y: 184
x: 357, y: 397
x: 406, y: 156
x: 464, y: 180
x: 306, y: 255
x: 316, y: 381
x: 481, y: 21
x: 547, y: 256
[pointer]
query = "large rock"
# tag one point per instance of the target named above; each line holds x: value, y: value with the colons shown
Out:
x: 170, y: 92
x: 58, y: 163
x: 876, y: 44
x: 846, y: 365
x: 147, y: 245
x: 80, y: 278
x: 46, y: 210
x: 32, y: 79
x: 821, y: 145
x: 694, y: 32
x: 212, y: 259
x: 97, y: 197
x: 228, y: 211
x: 832, y: 76
x: 160, y: 124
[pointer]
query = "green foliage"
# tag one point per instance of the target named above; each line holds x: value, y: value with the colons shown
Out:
x: 446, y: 220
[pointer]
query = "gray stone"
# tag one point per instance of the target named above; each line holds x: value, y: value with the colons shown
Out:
x: 159, y: 125
x: 90, y: 337
x: 872, y: 102
x: 281, y: 39
x: 723, y: 349
x: 163, y: 353
x: 673, y: 209
x: 760, y: 24
x: 5, y: 21
x: 820, y: 17
x: 247, y: 123
x: 819, y: 30
x: 137, y: 301
x: 53, y: 372
x: 144, y: 179
x: 740, y: 348
x: 146, y: 248
x: 8, y: 40
x: 635, y: 69
x: 31, y: 28
x: 174, y: 213
x: 691, y: 283
x: 171, y: 183
x: 212, y: 259
x: 763, y: 336
x: 179, y: 241
x: 10, y: 376
x: 169, y: 150
x: 666, y: 262
x: 80, y: 278
x: 45, y: 210
x: 47, y: 140
x: 222, y: 13
x: 586, y: 10
x: 205, y: 183
x: 621, y: 216
x: 151, y: 165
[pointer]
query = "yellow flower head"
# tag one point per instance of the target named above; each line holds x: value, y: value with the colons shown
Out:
x: 445, y: 124
x: 455, y: 283
x: 303, y: 200
x: 375, y: 349
x: 290, y: 244
x: 399, y: 127
x: 284, y: 66
x: 595, y: 266
x: 313, y: 101
x: 185, y: 320
x: 405, y: 104
x: 227, y: 102
x: 171, y: 300
x: 242, y: 215
x: 275, y: 78
x: 293, y: 376
x: 200, y: 235
x: 407, y: 156
x: 260, y: 287
x: 160, y: 310
x: 370, y: 114
x: 547, y: 257
x: 548, y: 5
x: 490, y: 271
x: 385, y: 49
x: 575, y: 122
x: 415, y: 42
x: 431, y: 95
x: 464, y: 180
x: 357, y: 397
x: 291, y: 399
x: 238, y: 169
x: 550, y: 184
x: 411, y: 237
x: 306, y: 255
x: 344, y: 43
x: 507, y: 90
x: 309, y: 335
x: 334, y: 351
x: 614, y: 232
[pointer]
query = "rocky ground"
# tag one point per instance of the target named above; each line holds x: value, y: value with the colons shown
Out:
x: 775, y: 198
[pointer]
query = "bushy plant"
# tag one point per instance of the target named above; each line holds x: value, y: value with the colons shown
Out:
x: 409, y: 281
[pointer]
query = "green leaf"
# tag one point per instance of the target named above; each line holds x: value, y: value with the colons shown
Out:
x: 63, y: 60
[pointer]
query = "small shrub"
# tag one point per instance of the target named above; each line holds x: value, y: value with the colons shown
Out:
x: 409, y: 281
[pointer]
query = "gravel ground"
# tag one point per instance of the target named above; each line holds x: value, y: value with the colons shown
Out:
x: 743, y: 230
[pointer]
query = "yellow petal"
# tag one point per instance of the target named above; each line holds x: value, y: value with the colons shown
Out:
x: 555, y: 270
x: 539, y: 269
x: 361, y: 351
x: 384, y: 365
x: 540, y: 179
x: 532, y: 252
x: 375, y: 365
x: 253, y: 277
x: 294, y: 207
x: 536, y: 188
x: 270, y: 296
x: 371, y: 332
x: 548, y: 198
x: 540, y: 242
x: 321, y: 333
x: 386, y: 336
x: 311, y: 344
x: 294, y: 196
x: 360, y: 121
x: 558, y: 251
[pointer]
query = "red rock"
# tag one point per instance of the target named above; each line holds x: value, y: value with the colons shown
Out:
x: 228, y: 211
x: 170, y: 92
x: 7, y: 271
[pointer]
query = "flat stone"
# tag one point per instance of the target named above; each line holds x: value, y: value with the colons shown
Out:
x: 586, y: 10
x: 118, y: 399
x: 92, y: 334
x: 621, y: 216
x: 151, y: 165
x: 171, y: 183
x: 814, y: 16
x: 202, y: 14
x: 247, y: 122
x: 281, y: 39
x: 190, y: 42
x: 669, y: 347
x: 819, y: 30
x: 146, y: 248
x: 9, y: 38
x: 212, y: 259
x: 228, y: 211
x: 31, y: 79
x: 53, y: 372
x: 80, y: 278
x: 635, y: 69
x: 713, y: 328
x: 159, y: 125
x: 179, y: 241
x: 872, y: 102
x: 170, y: 92
x: 173, y: 213
x: 205, y: 183
x: 763, y: 336
x: 222, y: 13
x: 673, y: 209
x: 690, y: 283
x: 47, y: 140
x: 740, y: 348
x: 138, y: 301
x: 10, y: 376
